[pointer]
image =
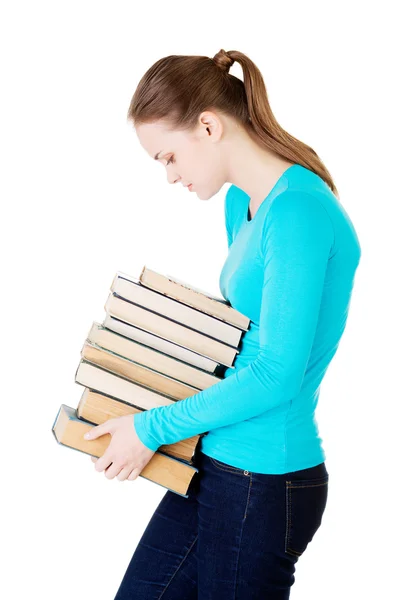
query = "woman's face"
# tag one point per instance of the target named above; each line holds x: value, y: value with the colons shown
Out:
x: 193, y: 157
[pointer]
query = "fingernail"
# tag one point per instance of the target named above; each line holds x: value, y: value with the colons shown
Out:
x: 87, y: 436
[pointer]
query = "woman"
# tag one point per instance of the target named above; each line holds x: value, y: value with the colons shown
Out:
x: 261, y: 489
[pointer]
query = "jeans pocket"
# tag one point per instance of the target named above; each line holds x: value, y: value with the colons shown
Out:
x: 305, y: 505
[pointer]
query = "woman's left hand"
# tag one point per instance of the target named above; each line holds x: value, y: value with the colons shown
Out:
x: 126, y: 456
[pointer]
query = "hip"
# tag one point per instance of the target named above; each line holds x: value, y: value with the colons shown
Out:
x: 288, y: 506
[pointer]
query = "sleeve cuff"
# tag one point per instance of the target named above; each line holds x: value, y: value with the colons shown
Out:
x: 146, y: 439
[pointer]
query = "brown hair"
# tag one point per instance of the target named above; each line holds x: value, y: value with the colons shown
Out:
x: 178, y: 88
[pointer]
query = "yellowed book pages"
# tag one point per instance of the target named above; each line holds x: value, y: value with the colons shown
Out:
x: 188, y: 294
x: 157, y: 360
x: 138, y: 373
x: 161, y: 345
x: 111, y: 384
x: 131, y: 289
x: 174, y: 332
x: 98, y: 408
x: 164, y: 470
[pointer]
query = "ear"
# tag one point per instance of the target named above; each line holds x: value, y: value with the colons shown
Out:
x: 211, y: 124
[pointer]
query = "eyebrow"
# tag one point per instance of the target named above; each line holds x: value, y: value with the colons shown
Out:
x: 156, y: 156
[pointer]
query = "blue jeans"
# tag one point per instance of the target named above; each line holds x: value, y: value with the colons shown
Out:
x: 237, y: 536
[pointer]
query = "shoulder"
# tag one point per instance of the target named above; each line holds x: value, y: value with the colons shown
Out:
x: 299, y: 213
x: 299, y: 205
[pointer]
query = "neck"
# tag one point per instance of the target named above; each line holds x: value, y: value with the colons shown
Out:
x: 253, y: 169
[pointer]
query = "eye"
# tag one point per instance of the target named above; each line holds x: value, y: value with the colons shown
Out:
x: 170, y: 160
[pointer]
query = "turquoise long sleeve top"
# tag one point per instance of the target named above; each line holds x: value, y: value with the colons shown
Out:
x: 291, y: 270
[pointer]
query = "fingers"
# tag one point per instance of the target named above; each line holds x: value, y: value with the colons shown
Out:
x: 103, y: 462
x: 112, y: 471
x: 134, y: 474
x: 124, y: 473
x: 99, y: 430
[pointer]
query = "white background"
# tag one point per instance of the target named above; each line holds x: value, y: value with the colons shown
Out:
x: 81, y: 199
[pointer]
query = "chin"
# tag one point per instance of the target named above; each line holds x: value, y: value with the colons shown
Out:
x: 206, y: 196
x: 203, y: 197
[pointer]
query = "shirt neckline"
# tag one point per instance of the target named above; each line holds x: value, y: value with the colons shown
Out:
x: 246, y: 219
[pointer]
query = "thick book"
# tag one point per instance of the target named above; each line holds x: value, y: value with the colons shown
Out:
x: 98, y: 408
x: 136, y: 372
x: 137, y: 352
x: 167, y: 471
x: 99, y: 379
x: 158, y: 343
x: 128, y: 287
x: 170, y: 330
x: 188, y: 294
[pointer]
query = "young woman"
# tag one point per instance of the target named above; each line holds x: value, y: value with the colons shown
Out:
x: 261, y: 490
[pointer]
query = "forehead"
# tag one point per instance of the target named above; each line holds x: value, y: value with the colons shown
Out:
x: 156, y: 137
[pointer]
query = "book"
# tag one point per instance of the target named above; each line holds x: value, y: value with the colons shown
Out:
x: 98, y: 408
x: 167, y: 471
x: 120, y: 388
x: 162, y: 362
x: 161, y: 341
x: 129, y: 288
x: 167, y: 329
x: 162, y: 345
x: 136, y: 372
x: 191, y: 296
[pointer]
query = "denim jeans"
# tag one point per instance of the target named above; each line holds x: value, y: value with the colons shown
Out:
x: 237, y: 536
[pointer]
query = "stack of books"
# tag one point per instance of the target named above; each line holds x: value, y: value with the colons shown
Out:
x: 161, y: 341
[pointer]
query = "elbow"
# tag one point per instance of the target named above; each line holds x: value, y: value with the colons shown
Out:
x: 279, y: 376
x: 292, y: 380
x: 292, y: 385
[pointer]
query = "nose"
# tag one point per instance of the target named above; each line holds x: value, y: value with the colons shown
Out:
x: 171, y: 178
